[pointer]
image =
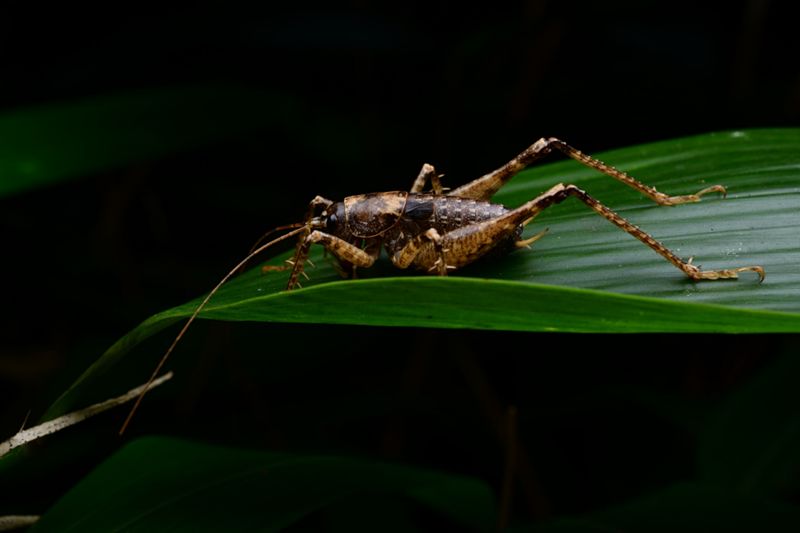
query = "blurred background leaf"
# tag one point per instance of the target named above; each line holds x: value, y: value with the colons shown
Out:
x: 158, y: 483
x: 752, y: 443
x: 686, y: 507
x: 56, y: 141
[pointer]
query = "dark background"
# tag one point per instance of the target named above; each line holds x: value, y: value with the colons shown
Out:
x: 379, y: 89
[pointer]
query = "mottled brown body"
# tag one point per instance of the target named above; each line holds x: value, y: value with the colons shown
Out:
x: 442, y: 231
x: 404, y: 229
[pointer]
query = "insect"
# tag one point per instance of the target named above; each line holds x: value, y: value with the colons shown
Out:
x: 439, y: 231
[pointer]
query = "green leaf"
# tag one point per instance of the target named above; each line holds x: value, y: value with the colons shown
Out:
x: 54, y: 141
x: 753, y: 443
x: 585, y: 275
x: 685, y: 507
x: 157, y: 484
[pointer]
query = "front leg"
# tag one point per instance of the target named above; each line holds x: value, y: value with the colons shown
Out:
x: 298, y: 262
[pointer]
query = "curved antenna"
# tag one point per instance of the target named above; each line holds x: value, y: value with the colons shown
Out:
x: 270, y: 232
x: 261, y: 239
x: 299, y: 229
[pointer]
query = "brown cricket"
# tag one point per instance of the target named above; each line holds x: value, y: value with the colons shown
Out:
x: 440, y: 231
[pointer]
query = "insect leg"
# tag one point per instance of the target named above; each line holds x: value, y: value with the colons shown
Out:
x: 346, y: 252
x: 487, y: 185
x: 346, y: 269
x: 651, y: 192
x: 314, y: 205
x: 428, y: 173
x: 298, y: 262
x: 403, y: 257
x: 560, y: 192
x: 442, y: 253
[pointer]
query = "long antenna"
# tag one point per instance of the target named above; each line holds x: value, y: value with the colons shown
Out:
x: 299, y: 228
x: 270, y: 232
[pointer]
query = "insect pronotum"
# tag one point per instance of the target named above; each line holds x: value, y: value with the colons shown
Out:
x: 440, y: 231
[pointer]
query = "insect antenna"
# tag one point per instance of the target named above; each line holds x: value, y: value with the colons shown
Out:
x: 270, y: 232
x: 296, y: 229
x: 261, y: 239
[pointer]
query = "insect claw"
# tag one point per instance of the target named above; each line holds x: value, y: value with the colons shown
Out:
x: 757, y: 269
x: 714, y: 188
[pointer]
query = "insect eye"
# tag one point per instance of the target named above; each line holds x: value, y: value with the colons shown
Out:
x: 334, y: 217
x: 331, y: 221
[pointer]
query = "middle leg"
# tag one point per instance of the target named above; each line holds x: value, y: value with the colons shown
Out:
x: 426, y: 174
x: 421, y: 245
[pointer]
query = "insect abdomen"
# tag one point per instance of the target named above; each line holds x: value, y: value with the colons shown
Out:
x: 446, y: 213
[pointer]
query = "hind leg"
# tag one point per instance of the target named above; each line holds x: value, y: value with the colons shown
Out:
x: 464, y: 245
x: 486, y: 186
x: 561, y: 192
